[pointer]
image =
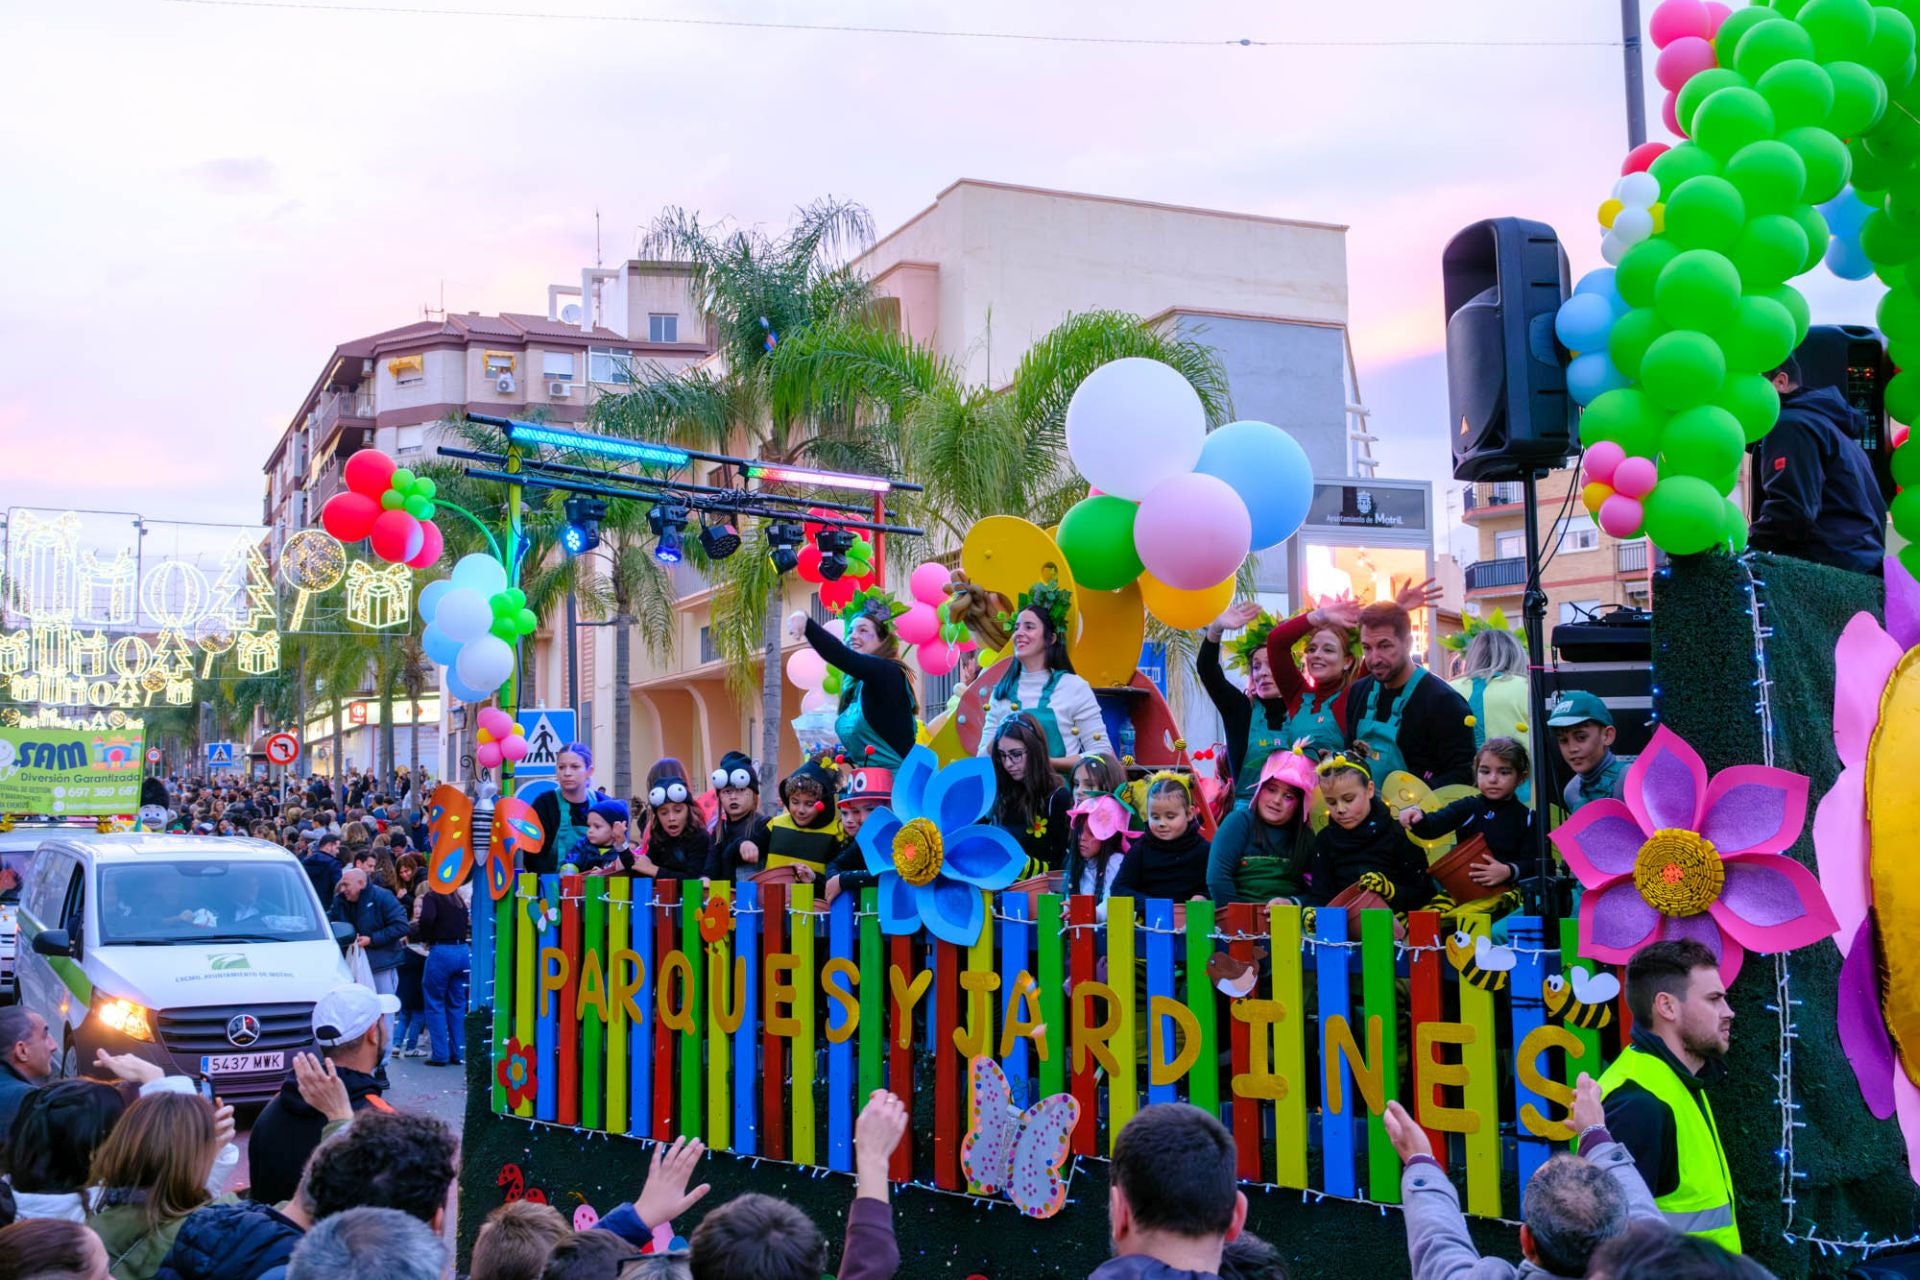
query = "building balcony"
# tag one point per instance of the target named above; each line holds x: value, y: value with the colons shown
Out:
x: 337, y: 410
x: 1491, y: 499
x: 1497, y: 577
x: 1630, y: 557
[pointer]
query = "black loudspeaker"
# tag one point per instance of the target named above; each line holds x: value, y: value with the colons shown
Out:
x: 1508, y: 406
x: 1852, y: 359
x: 1612, y: 658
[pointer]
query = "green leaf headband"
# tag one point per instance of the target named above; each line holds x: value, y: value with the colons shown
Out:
x: 1252, y: 640
x: 1048, y: 600
x: 873, y: 602
x: 1495, y: 620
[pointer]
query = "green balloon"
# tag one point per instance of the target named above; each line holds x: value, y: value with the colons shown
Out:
x: 1770, y: 176
x: 425, y: 487
x: 527, y: 622
x: 402, y: 478
x: 419, y: 508
x: 1859, y: 98
x: 1758, y: 338
x: 1883, y: 239
x: 1814, y: 224
x: 944, y: 612
x: 1842, y: 30
x: 1790, y: 298
x: 1705, y: 441
x: 1733, y: 526
x: 1771, y: 250
x: 518, y: 597
x: 861, y: 549
x: 833, y: 683
x: 1097, y: 539
x: 1753, y: 402
x: 1693, y: 93
x: 1705, y: 213
x: 501, y: 606
x: 1899, y: 316
x: 504, y: 628
x: 1627, y: 343
x: 1905, y: 513
x: 1770, y: 44
x: 1699, y: 289
x: 1732, y: 118
x: 1682, y: 369
x: 1903, y: 401
x: 1674, y: 166
x: 1799, y: 92
x: 1906, y: 466
x: 392, y: 500
x: 1626, y: 417
x: 1910, y: 557
x: 1891, y: 50
x: 1684, y: 515
x: 1872, y: 171
x: 1640, y: 268
x: 1726, y: 41
x: 428, y: 511
x: 1829, y: 166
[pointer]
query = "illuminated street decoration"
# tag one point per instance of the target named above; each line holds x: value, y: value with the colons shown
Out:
x: 379, y: 598
x: 244, y: 594
x: 175, y: 593
x: 40, y: 555
x: 88, y: 653
x: 108, y: 591
x: 311, y: 562
x: 258, y: 654
x: 16, y: 652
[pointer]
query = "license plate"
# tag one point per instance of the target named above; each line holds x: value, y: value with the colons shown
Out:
x: 240, y: 1064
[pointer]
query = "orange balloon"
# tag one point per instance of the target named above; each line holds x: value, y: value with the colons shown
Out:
x: 1185, y: 610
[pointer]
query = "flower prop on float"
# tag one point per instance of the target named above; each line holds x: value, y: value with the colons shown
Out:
x: 499, y: 739
x: 1672, y: 344
x: 1106, y: 818
x: 516, y: 833
x: 449, y: 838
x: 465, y: 614
x: 387, y: 505
x: 1173, y: 507
x: 933, y: 855
x: 515, y: 1072
x: 1020, y: 1153
x: 1863, y: 837
x: 1685, y: 857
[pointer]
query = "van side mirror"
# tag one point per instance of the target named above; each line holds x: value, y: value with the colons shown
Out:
x: 52, y: 942
x: 342, y: 933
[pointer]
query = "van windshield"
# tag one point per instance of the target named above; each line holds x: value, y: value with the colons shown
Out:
x: 184, y: 903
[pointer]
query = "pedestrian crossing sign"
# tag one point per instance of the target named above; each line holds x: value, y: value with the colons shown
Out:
x: 219, y: 755
x: 547, y: 730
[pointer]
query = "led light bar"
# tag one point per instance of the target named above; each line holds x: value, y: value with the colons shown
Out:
x: 653, y: 455
x: 832, y: 479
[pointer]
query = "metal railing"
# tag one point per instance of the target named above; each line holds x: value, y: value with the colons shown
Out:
x: 1630, y: 557
x: 1504, y: 493
x: 335, y: 405
x: 1488, y: 574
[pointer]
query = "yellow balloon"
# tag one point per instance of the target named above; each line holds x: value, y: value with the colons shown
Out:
x: 1659, y: 212
x: 1610, y: 210
x: 1185, y: 610
x: 1592, y: 495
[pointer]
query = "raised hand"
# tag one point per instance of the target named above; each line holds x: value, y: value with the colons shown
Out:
x: 127, y: 1066
x: 223, y: 1126
x: 1588, y: 1110
x: 1410, y: 596
x: 321, y: 1087
x: 665, y: 1197
x: 1339, y: 611
x: 882, y: 1123
x: 1235, y: 618
x: 796, y: 624
x: 1408, y: 1138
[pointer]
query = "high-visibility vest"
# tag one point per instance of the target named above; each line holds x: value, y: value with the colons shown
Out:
x: 1702, y: 1205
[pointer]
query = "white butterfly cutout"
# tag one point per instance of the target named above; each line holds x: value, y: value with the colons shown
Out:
x: 1017, y: 1152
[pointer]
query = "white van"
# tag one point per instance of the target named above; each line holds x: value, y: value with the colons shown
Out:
x: 202, y: 954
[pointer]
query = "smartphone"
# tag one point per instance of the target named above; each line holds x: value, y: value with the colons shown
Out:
x: 206, y: 1088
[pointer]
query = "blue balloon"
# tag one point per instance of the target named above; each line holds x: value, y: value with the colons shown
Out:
x: 430, y: 596
x: 462, y: 692
x: 1846, y: 259
x: 1845, y: 214
x: 1268, y: 469
x: 1600, y: 281
x: 1583, y: 321
x: 439, y: 646
x: 1591, y: 375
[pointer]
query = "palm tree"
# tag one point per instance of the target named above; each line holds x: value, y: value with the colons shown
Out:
x: 414, y: 671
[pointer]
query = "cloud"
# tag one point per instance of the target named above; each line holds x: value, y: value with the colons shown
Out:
x: 236, y: 175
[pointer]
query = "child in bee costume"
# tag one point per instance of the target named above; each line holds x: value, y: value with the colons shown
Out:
x: 1497, y: 816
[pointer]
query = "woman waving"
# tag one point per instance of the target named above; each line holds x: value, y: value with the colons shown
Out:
x: 1255, y: 718
x: 1042, y: 686
x: 877, y: 706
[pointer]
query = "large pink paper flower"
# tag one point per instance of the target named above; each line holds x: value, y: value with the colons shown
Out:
x: 1876, y: 670
x: 1685, y: 857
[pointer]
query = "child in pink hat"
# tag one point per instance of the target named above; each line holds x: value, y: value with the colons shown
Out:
x: 1263, y: 850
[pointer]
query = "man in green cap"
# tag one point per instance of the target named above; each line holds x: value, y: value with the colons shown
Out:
x: 1583, y: 727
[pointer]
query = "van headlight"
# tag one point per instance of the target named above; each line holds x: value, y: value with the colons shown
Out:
x: 126, y: 1017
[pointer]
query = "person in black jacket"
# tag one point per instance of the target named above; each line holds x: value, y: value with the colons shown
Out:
x: 380, y: 930
x: 739, y: 829
x: 1404, y: 716
x: 1029, y: 803
x: 443, y: 928
x: 232, y: 1242
x: 349, y: 1026
x: 1362, y: 844
x: 563, y: 811
x: 676, y: 847
x: 323, y: 866
x: 1496, y: 815
x: 1170, y: 861
x: 877, y: 709
x: 1819, y: 500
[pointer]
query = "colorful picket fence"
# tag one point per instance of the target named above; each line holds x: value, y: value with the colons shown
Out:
x: 759, y: 1024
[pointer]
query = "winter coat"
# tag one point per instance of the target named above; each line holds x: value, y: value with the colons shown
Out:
x: 230, y: 1242
x: 1819, y: 500
x: 378, y: 916
x: 1153, y: 868
x: 135, y: 1248
x: 14, y: 1089
x: 289, y: 1130
x: 324, y: 870
x: 1140, y: 1266
x: 1341, y: 857
x: 725, y: 863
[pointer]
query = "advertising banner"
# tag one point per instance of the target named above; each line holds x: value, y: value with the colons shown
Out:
x: 69, y: 771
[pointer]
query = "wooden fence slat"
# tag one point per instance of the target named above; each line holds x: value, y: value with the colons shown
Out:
x: 773, y: 1048
x: 692, y: 1042
x: 720, y: 995
x: 550, y: 1074
x: 503, y: 943
x: 1050, y: 953
x: 840, y: 1081
x: 1336, y: 1131
x: 1378, y: 990
x: 526, y: 893
x: 948, y: 1092
x: 1423, y: 931
x: 640, y: 920
x: 666, y: 898
x: 1290, y: 1048
x: 1160, y: 985
x: 900, y: 1049
x: 567, y: 1045
x: 1079, y: 919
x: 1016, y: 945
x: 746, y: 1041
x: 1203, y: 1089
x: 1246, y: 1111
x: 1482, y: 1097
x: 1527, y: 1012
x: 593, y: 1029
x: 1123, y: 1088
x: 806, y: 979
x: 873, y: 999
x: 1591, y: 1060
x: 619, y: 908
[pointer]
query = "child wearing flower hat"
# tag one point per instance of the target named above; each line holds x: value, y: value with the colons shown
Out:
x: 1263, y: 850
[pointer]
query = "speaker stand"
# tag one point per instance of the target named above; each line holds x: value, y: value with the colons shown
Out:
x: 1541, y: 899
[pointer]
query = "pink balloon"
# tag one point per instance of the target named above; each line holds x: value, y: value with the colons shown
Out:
x: 816, y: 700
x: 1603, y: 459
x: 1192, y: 531
x: 487, y: 755
x: 1641, y: 158
x: 1682, y: 60
x: 918, y: 624
x: 496, y: 722
x: 514, y: 749
x: 431, y: 545
x: 806, y: 669
x: 1635, y: 477
x: 1670, y: 117
x: 1717, y: 13
x: 1677, y: 19
x: 1620, y: 516
x: 936, y: 659
x: 929, y: 583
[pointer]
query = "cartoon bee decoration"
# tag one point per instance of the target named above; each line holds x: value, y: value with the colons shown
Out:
x: 1586, y: 1002
x: 1479, y: 960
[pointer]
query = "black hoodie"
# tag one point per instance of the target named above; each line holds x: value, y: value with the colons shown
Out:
x: 288, y: 1130
x: 1155, y: 868
x: 728, y: 836
x: 1819, y: 500
x: 1341, y: 856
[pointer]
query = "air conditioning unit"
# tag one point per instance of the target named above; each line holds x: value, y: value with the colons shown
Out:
x: 559, y: 390
x: 503, y: 384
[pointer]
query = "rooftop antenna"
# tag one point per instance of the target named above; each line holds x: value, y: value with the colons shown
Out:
x: 596, y: 235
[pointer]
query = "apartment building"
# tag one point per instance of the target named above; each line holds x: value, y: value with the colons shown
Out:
x: 1584, y: 571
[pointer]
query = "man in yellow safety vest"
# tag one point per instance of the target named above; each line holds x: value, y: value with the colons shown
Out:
x: 1656, y: 1091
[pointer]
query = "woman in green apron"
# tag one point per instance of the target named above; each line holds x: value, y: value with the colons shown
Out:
x: 563, y: 810
x: 876, y: 724
x: 1494, y: 684
x: 1041, y: 685
x: 1284, y: 702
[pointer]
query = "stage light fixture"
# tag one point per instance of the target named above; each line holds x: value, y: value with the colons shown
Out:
x: 719, y: 540
x: 834, y: 545
x: 667, y: 520
x: 582, y: 531
x: 783, y: 545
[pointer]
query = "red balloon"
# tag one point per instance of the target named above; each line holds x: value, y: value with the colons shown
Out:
x: 813, y: 525
x: 370, y: 472
x: 1642, y: 157
x: 431, y: 545
x: 392, y: 533
x: 809, y: 566
x: 349, y: 516
x: 837, y: 595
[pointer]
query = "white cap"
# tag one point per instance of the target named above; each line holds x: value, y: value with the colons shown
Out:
x: 345, y: 1013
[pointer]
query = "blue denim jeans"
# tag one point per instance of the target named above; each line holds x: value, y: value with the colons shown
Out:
x: 445, y: 984
x: 413, y: 1025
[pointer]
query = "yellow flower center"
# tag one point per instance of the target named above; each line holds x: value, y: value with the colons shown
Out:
x: 1678, y: 872
x: 916, y: 852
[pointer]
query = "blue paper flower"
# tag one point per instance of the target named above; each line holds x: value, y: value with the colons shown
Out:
x: 931, y: 852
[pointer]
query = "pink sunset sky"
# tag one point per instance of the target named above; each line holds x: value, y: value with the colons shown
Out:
x: 203, y: 197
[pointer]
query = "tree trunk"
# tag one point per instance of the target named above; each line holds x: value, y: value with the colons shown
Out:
x: 413, y: 745
x: 389, y: 675
x: 622, y: 705
x: 770, y: 690
x: 339, y: 748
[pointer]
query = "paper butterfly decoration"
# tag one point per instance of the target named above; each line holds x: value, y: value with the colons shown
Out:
x: 1016, y: 1152
x: 449, y: 837
x: 516, y: 833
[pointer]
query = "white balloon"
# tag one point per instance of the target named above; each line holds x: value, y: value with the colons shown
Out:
x: 1633, y: 225
x: 480, y: 572
x: 463, y: 614
x: 1132, y: 423
x: 484, y: 663
x: 1637, y: 190
x: 1612, y: 248
x: 816, y: 700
